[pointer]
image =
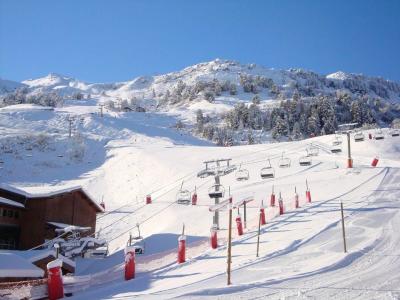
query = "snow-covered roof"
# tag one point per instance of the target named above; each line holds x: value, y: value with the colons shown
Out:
x: 68, y: 227
x: 11, y: 202
x: 47, y: 191
x: 12, y: 265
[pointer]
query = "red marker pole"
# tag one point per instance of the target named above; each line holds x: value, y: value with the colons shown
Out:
x: 308, y: 193
x: 280, y: 201
x: 375, y: 162
x: 194, y: 197
x: 262, y: 214
x: 239, y: 225
x: 182, y: 247
x: 54, y: 280
x: 214, y: 237
x: 130, y: 262
x: 272, y: 202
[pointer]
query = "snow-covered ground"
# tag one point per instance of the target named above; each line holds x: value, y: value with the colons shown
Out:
x: 122, y: 157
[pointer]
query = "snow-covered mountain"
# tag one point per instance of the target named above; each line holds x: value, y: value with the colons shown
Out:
x: 218, y: 88
x: 266, y: 80
x: 8, y: 86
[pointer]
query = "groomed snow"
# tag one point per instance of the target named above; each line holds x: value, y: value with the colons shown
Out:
x: 301, y: 252
x: 12, y: 265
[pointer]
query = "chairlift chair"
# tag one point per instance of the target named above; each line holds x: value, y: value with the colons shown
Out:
x: 359, y: 136
x: 216, y: 191
x: 379, y: 135
x: 268, y: 171
x: 312, y: 150
x: 337, y: 140
x: 183, y: 196
x: 138, y: 242
x: 336, y: 148
x: 395, y: 132
x: 305, y: 161
x: 284, y: 162
x: 242, y: 174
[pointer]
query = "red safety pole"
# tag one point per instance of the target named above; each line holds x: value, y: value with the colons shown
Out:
x: 375, y: 161
x: 308, y: 193
x: 214, y: 237
x: 280, y: 201
x: 262, y: 214
x: 182, y: 247
x: 272, y: 202
x: 130, y: 262
x: 194, y: 197
x: 54, y: 280
x: 239, y: 225
x: 148, y: 199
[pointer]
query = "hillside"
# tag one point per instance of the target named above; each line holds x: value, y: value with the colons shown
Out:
x: 122, y: 157
x: 230, y: 103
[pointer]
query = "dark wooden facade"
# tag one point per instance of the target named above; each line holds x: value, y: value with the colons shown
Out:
x: 73, y: 207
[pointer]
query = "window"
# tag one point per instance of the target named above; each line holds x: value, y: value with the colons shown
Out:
x: 4, y: 212
x: 16, y: 214
x: 7, y: 243
x: 10, y: 213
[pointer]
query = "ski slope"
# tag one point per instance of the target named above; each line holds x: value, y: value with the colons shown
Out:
x: 130, y: 155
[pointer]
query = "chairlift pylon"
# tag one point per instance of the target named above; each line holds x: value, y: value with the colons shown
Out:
x: 268, y: 171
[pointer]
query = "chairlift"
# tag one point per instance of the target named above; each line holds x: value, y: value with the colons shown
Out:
x: 395, y: 132
x: 268, y: 171
x: 305, y: 161
x: 312, y: 150
x: 242, y: 174
x: 183, y: 196
x: 359, y: 136
x: 379, y: 135
x: 216, y: 191
x: 337, y: 140
x: 284, y: 162
x: 336, y: 148
x: 100, y: 252
x: 137, y: 242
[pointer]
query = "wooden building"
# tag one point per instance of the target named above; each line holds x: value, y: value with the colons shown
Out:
x: 28, y: 219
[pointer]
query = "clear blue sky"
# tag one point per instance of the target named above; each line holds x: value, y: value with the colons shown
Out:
x: 115, y: 40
